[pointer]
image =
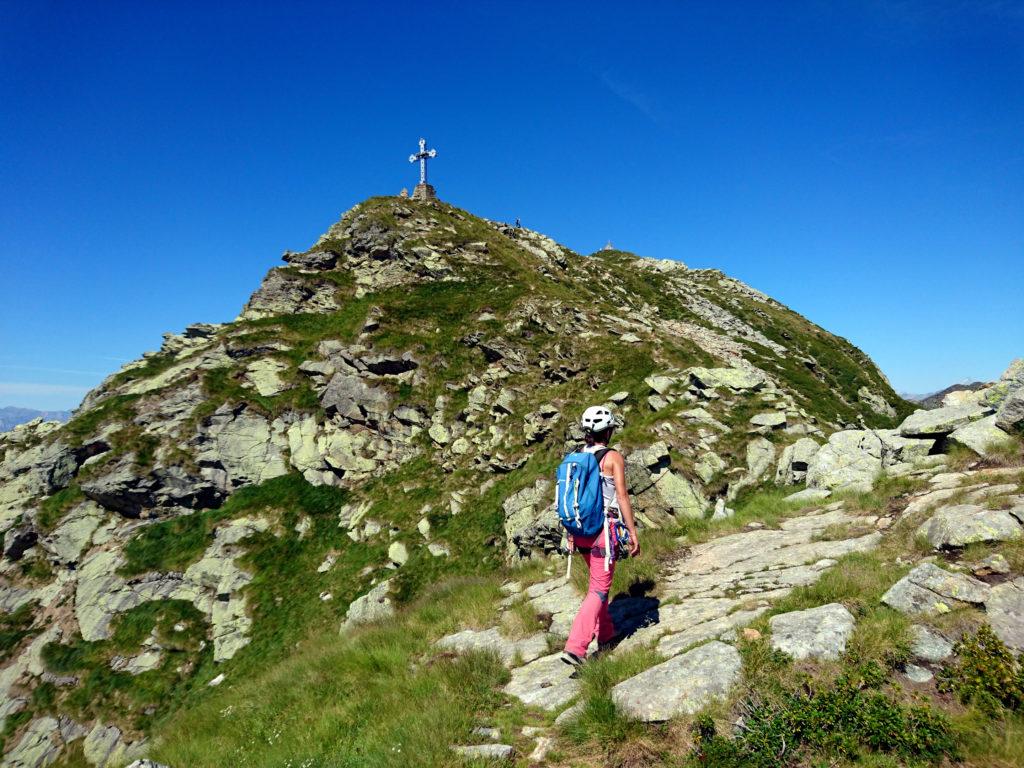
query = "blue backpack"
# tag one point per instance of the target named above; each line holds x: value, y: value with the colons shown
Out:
x: 580, y: 502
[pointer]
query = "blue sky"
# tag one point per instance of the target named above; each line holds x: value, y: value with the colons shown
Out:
x: 862, y: 162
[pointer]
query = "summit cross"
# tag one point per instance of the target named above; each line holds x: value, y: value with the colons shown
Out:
x: 423, y: 155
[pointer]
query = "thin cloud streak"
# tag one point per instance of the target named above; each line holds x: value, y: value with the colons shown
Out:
x: 635, y: 98
x: 39, y: 369
x: 37, y: 388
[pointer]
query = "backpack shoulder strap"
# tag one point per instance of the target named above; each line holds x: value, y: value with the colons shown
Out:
x: 600, y: 454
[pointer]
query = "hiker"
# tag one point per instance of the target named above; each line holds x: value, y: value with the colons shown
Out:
x: 600, y: 539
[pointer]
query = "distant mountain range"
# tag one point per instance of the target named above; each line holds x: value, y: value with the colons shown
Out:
x: 934, y: 399
x: 12, y: 416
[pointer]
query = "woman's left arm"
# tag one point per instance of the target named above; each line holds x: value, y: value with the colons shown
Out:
x: 619, y: 473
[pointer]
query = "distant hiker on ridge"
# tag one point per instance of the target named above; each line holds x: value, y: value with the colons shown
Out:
x: 594, y: 508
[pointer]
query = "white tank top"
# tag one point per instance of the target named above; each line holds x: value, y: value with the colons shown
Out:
x: 611, y: 499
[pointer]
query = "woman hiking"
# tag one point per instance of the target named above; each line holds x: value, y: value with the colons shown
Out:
x: 600, y: 550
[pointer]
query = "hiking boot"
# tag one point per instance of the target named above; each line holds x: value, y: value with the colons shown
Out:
x: 571, y: 659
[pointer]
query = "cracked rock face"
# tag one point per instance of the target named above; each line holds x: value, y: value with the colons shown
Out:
x: 929, y: 589
x: 284, y: 294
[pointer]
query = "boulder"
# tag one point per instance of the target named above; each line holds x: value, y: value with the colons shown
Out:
x: 808, y: 495
x: 398, y: 553
x: 929, y: 589
x: 1010, y: 416
x: 769, y: 420
x: 963, y: 524
x: 375, y: 605
x: 795, y: 460
x: 75, y: 531
x: 1004, y: 610
x: 683, y: 685
x: 984, y: 435
x: 816, y: 633
x: 941, y: 421
x: 851, y: 459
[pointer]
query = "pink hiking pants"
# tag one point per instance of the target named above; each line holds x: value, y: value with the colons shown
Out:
x: 593, y: 617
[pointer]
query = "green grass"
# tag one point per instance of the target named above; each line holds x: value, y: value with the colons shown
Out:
x: 15, y: 627
x: 53, y: 508
x: 376, y: 697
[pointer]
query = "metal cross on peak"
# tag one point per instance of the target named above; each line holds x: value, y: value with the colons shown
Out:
x: 423, y: 155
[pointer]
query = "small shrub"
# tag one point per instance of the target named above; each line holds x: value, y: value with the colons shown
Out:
x: 985, y: 674
x: 841, y: 721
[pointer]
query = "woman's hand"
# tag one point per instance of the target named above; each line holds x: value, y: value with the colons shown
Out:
x: 634, y: 544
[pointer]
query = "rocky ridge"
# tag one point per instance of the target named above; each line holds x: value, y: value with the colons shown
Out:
x: 419, y: 349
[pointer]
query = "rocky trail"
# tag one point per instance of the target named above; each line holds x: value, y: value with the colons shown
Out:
x: 707, y: 595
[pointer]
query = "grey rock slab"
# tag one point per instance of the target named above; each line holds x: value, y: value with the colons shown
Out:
x: 682, y: 685
x: 546, y: 683
x: 916, y: 674
x: 928, y: 645
x: 815, y: 633
x: 486, y: 751
x: 733, y: 378
x: 941, y: 421
x: 963, y: 524
x: 491, y: 640
x: 931, y: 590
x: 1005, y: 612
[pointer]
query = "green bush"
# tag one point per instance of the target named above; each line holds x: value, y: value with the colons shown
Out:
x: 985, y: 674
x: 842, y: 721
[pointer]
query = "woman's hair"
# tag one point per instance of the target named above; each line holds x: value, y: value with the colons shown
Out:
x: 592, y: 438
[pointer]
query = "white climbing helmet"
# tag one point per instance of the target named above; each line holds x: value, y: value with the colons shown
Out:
x: 596, y: 418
